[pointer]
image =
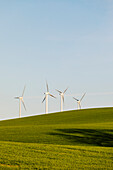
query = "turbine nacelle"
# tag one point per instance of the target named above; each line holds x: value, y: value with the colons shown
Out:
x: 46, y: 93
x: 78, y: 101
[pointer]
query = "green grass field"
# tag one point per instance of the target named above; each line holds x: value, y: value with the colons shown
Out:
x: 69, y: 140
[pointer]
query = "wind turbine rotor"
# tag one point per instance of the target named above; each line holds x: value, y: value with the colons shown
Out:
x: 21, y: 100
x: 24, y: 105
x: 23, y: 91
x: 65, y: 90
x: 16, y: 97
x: 44, y: 99
x: 75, y: 99
x: 52, y: 95
x: 58, y: 91
x: 47, y: 86
x: 62, y: 98
x: 82, y: 97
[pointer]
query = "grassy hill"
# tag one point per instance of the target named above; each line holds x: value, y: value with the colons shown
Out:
x: 67, y: 140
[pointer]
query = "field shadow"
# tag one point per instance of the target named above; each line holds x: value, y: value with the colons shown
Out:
x: 86, y: 136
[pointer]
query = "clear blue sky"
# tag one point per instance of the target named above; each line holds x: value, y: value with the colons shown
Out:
x: 66, y: 42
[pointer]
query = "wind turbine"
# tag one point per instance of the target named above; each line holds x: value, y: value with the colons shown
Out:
x: 79, y: 101
x: 46, y: 98
x: 61, y: 98
x: 20, y: 98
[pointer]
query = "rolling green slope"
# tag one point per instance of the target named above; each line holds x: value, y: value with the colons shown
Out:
x: 72, y: 139
x: 84, y: 127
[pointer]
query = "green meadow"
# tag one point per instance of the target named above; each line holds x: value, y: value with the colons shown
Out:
x: 80, y: 139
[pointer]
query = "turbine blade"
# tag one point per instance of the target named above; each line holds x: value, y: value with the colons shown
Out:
x: 23, y: 91
x: 16, y: 97
x: 82, y: 96
x: 47, y: 86
x: 43, y: 99
x: 75, y: 99
x: 58, y: 91
x: 23, y: 104
x: 63, y: 98
x: 52, y: 95
x: 65, y: 90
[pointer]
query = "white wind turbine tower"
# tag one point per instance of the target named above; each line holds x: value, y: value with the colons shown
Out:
x: 46, y: 98
x: 79, y: 101
x: 61, y: 98
x: 20, y: 98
